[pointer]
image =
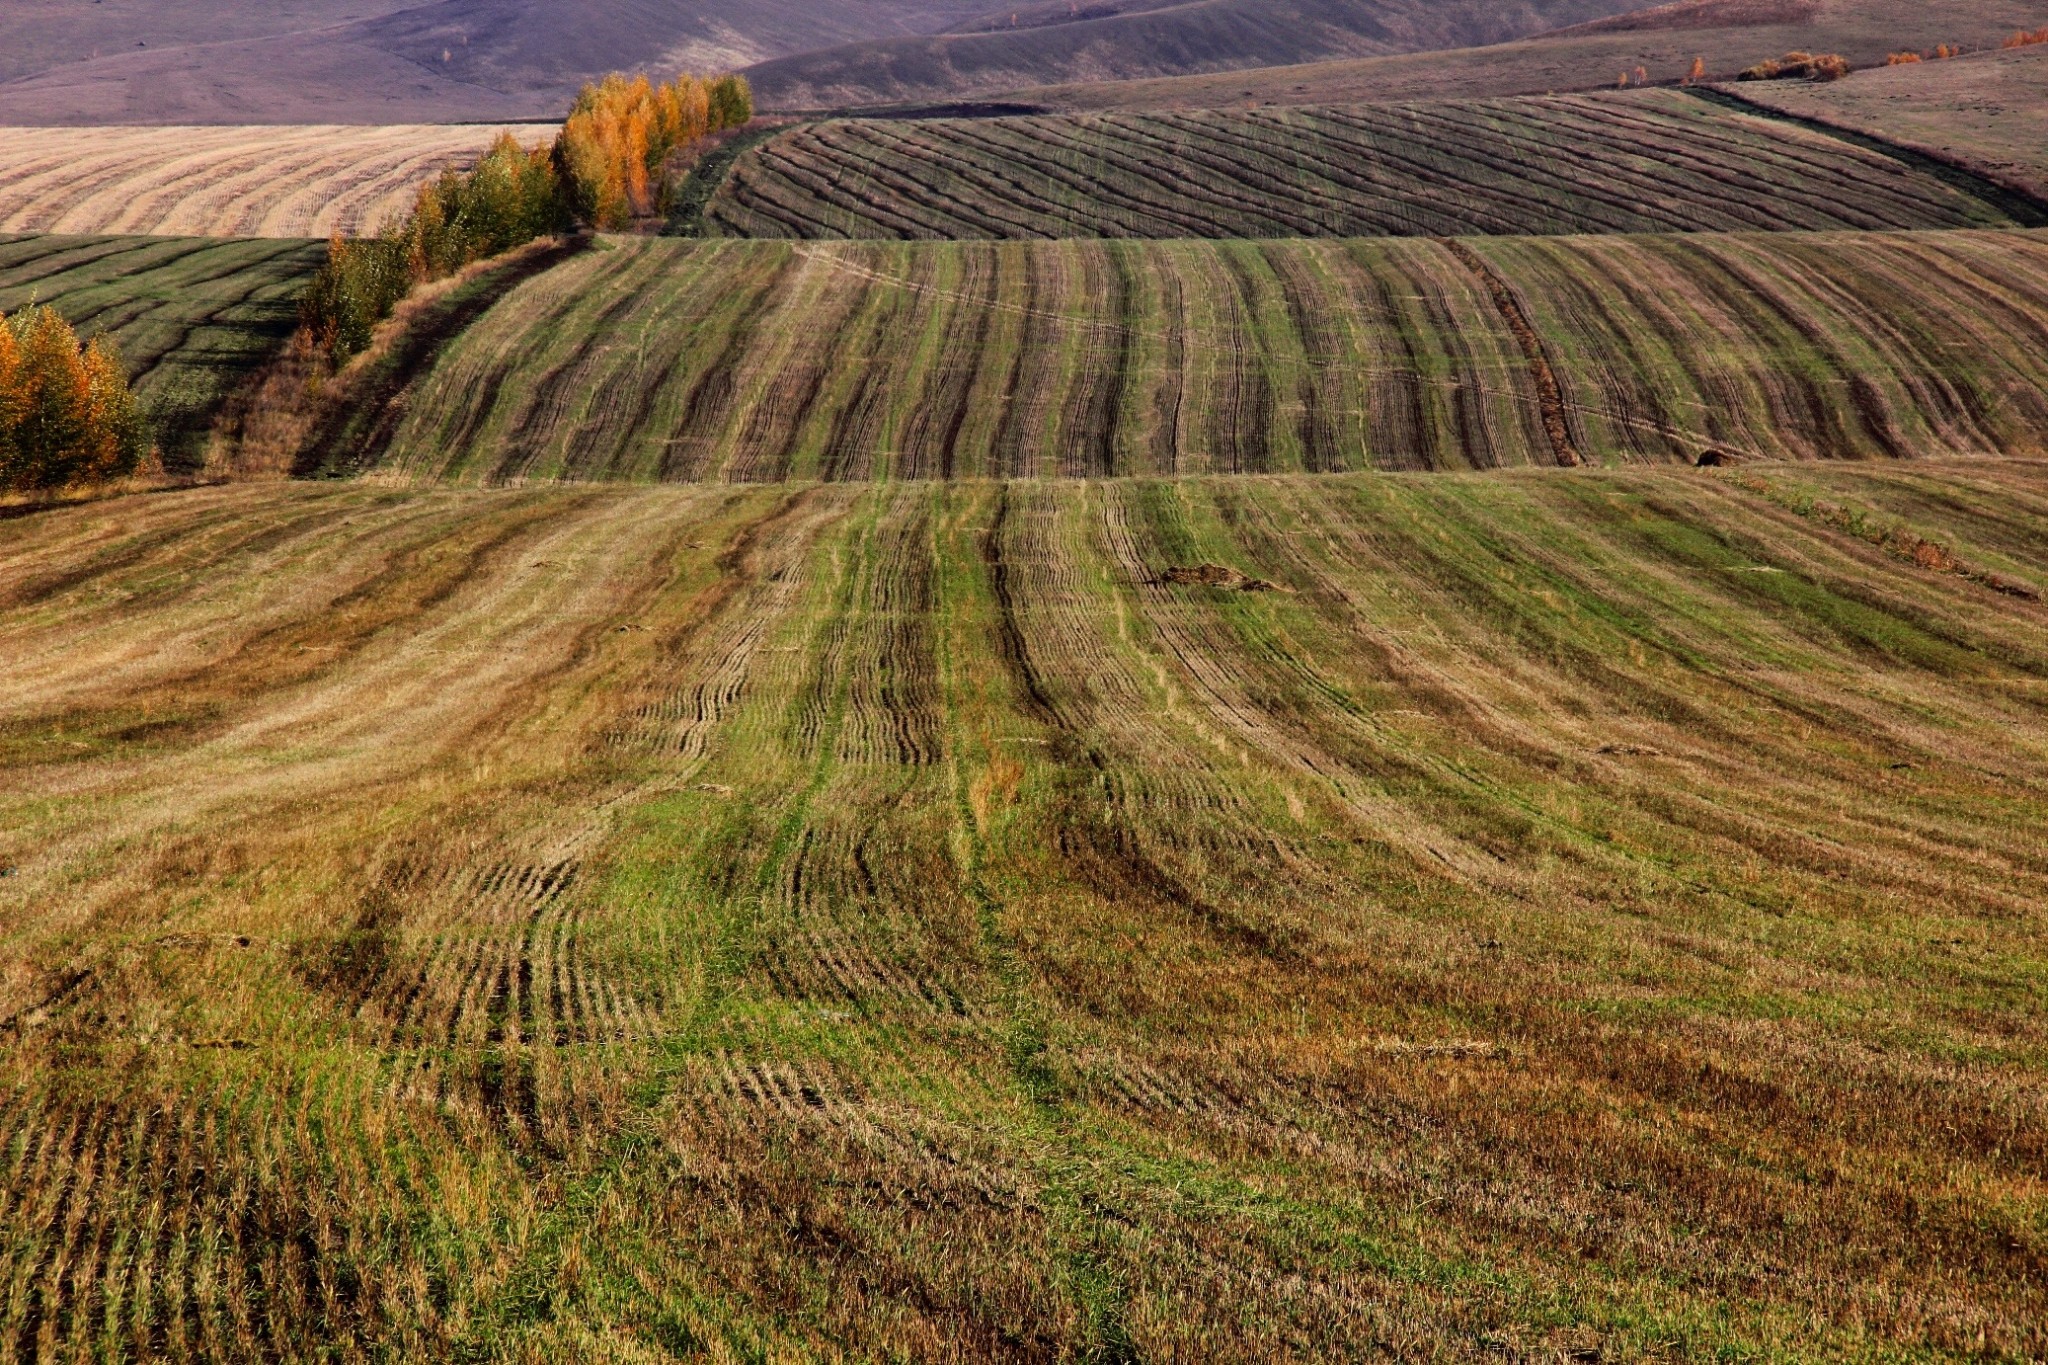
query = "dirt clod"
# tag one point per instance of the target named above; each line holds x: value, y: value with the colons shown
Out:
x: 1216, y: 576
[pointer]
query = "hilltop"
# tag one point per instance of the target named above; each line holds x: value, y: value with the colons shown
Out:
x: 1130, y: 39
x: 1662, y: 43
x: 380, y: 61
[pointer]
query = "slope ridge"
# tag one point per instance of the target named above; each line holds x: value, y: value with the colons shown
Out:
x: 1125, y: 41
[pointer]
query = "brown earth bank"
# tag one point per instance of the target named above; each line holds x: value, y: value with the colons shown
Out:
x: 1575, y: 912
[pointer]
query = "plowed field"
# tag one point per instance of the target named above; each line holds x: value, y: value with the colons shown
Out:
x: 1657, y: 161
x: 1568, y: 912
x: 668, y: 361
x: 224, y: 182
x: 192, y: 316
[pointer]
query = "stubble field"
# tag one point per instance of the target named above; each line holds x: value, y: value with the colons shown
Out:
x: 1649, y: 161
x: 1566, y: 909
x: 748, y: 361
x: 296, y: 181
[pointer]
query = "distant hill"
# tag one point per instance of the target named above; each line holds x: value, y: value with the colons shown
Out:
x: 1662, y: 41
x: 380, y: 61
x: 1110, y: 40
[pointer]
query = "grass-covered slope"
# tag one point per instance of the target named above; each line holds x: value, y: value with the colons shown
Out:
x: 225, y: 182
x: 1657, y: 161
x: 744, y: 361
x: 1987, y: 111
x: 1574, y: 911
x: 1043, y: 42
x: 193, y: 316
x: 1660, y: 42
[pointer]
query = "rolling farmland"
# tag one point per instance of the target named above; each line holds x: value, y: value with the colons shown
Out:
x: 1987, y: 111
x: 747, y: 361
x: 225, y: 182
x: 1663, y: 42
x: 1572, y: 910
x: 1654, y: 161
x: 192, y: 316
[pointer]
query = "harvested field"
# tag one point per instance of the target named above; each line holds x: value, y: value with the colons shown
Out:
x: 1574, y: 912
x: 226, y: 182
x: 748, y: 361
x: 1662, y: 42
x: 1987, y: 111
x: 193, y: 316
x: 1654, y: 161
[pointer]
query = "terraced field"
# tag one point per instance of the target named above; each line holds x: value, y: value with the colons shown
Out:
x: 745, y: 361
x: 1650, y: 161
x: 1572, y: 911
x: 193, y: 316
x: 225, y: 182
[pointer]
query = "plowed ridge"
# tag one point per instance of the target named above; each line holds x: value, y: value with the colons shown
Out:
x: 1654, y: 161
x: 307, y: 181
x: 667, y: 361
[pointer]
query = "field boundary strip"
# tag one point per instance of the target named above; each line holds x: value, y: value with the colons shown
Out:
x: 2022, y: 206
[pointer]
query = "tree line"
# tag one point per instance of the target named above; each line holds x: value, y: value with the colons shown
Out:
x: 613, y: 162
x: 67, y: 416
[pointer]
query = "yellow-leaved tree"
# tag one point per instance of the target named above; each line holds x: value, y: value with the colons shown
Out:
x: 613, y: 153
x: 67, y: 416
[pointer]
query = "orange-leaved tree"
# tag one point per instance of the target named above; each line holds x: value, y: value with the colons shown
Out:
x: 67, y: 416
x: 613, y: 153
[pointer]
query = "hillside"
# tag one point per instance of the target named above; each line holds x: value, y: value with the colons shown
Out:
x: 1987, y: 111
x: 376, y: 61
x: 1123, y: 41
x: 1662, y: 43
x: 747, y: 361
x: 602, y: 924
x: 226, y: 182
x: 193, y: 318
x: 1645, y: 161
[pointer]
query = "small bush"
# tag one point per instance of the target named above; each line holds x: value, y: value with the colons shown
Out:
x: 361, y: 282
x: 1798, y: 66
x: 2024, y: 38
x: 510, y: 198
x: 1902, y: 59
x: 67, y: 416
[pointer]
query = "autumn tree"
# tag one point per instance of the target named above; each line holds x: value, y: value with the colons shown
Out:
x: 614, y: 151
x: 67, y: 416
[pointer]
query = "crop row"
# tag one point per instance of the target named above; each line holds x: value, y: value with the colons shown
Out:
x: 192, y: 316
x: 814, y: 921
x: 1656, y: 161
x: 223, y: 182
x: 747, y: 361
